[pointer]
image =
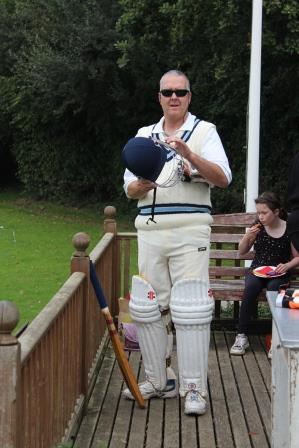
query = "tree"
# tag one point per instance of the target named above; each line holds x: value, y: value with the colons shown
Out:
x: 211, y: 42
x: 63, y: 103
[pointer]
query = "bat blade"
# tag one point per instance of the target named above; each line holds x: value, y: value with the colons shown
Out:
x: 122, y: 359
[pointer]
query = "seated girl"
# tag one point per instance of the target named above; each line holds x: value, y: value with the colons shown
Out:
x: 272, y: 248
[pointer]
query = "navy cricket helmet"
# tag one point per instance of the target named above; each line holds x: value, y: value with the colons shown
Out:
x: 153, y: 160
x: 143, y: 158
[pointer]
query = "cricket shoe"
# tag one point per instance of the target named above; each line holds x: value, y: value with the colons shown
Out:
x: 148, y: 391
x: 195, y: 403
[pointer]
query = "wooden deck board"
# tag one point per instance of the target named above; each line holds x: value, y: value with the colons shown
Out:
x: 172, y: 418
x: 122, y: 424
x: 238, y: 414
x: 218, y: 402
x: 88, y: 425
x: 243, y: 379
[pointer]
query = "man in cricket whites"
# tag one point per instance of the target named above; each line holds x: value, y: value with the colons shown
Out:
x: 173, y: 226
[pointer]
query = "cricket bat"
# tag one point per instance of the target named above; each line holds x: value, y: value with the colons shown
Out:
x: 116, y: 342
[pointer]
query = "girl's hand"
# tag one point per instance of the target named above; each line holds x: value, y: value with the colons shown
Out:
x: 252, y: 233
x: 282, y: 268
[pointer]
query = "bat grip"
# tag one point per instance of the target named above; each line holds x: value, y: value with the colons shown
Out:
x: 97, y: 287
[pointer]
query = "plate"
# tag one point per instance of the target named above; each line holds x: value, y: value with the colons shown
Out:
x: 266, y: 272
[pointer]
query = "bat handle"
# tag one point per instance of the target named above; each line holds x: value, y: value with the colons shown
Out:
x: 97, y: 287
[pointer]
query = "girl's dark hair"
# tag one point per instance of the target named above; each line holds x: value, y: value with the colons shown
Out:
x: 273, y: 202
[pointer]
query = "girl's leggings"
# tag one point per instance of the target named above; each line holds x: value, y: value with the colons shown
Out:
x: 253, y: 286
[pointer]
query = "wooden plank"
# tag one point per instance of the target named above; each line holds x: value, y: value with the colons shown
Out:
x: 89, y: 422
x: 172, y: 415
x: 106, y: 418
x: 139, y: 416
x: 155, y: 423
x: 189, y: 430
x: 219, y: 409
x: 225, y: 284
x: 226, y: 237
x: 230, y: 254
x: 258, y: 347
x: 259, y: 388
x: 243, y: 379
x: 228, y: 271
x: 231, y: 219
x: 235, y: 410
x: 206, y: 429
x: 121, y: 428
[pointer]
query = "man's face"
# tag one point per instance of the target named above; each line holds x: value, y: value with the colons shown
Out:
x: 174, y: 107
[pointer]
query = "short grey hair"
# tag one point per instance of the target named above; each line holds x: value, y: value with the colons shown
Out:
x: 175, y: 73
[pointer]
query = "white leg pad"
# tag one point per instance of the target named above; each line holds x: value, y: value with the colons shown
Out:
x: 192, y: 310
x: 151, y: 331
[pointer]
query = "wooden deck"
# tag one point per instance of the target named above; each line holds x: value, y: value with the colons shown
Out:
x: 239, y: 412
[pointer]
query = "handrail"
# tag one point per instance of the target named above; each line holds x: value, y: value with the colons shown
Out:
x: 49, y: 371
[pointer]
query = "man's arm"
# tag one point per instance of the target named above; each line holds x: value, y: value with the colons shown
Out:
x: 208, y: 170
x: 138, y: 188
x: 212, y: 164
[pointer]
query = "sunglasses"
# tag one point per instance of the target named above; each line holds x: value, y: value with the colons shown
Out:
x: 179, y: 93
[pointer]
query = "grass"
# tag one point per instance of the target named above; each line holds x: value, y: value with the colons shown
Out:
x: 36, y: 247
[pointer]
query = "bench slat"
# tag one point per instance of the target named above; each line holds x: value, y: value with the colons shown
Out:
x: 226, y: 237
x: 226, y: 271
x: 231, y: 219
x: 229, y: 254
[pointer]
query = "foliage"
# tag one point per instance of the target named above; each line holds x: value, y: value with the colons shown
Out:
x: 77, y: 79
x: 62, y: 104
x: 279, y: 106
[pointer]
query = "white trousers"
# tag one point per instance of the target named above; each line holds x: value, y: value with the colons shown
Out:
x: 169, y: 255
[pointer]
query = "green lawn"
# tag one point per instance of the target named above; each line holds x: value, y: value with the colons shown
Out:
x: 36, y: 248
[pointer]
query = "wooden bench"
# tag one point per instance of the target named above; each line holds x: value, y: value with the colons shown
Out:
x: 227, y: 269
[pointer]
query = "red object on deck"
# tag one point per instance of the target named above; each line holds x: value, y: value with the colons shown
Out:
x: 268, y: 340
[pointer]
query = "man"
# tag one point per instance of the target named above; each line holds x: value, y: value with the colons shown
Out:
x: 173, y: 251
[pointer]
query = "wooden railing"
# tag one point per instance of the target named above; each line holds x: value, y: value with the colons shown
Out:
x: 47, y: 374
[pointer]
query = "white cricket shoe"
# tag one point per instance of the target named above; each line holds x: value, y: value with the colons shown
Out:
x: 240, y: 345
x: 195, y: 403
x: 148, y: 391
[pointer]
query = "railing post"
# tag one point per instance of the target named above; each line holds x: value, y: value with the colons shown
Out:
x: 110, y: 225
x: 80, y: 263
x: 109, y: 221
x: 10, y: 377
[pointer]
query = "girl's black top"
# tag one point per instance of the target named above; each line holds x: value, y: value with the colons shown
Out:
x: 271, y: 251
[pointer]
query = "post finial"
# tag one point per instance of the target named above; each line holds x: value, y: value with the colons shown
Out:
x: 109, y: 221
x: 9, y: 318
x: 110, y: 212
x: 81, y: 242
